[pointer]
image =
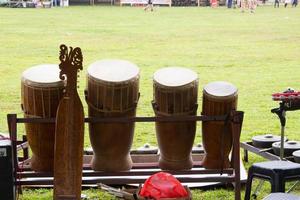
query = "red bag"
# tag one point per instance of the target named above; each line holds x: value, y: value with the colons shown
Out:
x: 162, y: 185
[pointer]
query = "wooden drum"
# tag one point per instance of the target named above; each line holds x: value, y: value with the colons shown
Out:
x: 175, y: 91
x: 112, y: 91
x: 219, y: 98
x: 41, y: 90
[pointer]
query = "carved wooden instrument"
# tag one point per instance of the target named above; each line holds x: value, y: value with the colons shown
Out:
x: 69, y: 132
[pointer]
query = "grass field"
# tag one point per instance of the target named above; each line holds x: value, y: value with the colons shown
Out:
x: 259, y: 53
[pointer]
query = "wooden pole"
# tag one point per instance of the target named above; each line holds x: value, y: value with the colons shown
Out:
x: 236, y: 126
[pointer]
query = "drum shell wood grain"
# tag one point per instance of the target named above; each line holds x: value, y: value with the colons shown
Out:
x: 175, y: 139
x: 111, y: 142
x: 212, y: 131
x: 41, y: 102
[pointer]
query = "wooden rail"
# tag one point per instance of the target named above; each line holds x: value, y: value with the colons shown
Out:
x: 25, y: 176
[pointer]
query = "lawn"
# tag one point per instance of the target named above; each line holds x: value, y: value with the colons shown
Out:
x: 259, y: 53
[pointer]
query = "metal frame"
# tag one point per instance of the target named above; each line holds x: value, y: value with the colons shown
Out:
x: 265, y: 153
x: 144, y: 165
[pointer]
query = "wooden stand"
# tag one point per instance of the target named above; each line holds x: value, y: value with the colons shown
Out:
x: 144, y: 165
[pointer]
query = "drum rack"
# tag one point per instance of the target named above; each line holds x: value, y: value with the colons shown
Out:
x: 143, y: 165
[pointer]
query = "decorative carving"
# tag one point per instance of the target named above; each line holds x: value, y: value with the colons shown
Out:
x: 71, y: 63
x: 67, y: 59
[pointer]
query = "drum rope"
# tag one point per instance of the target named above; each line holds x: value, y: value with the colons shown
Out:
x: 165, y: 96
x: 110, y: 111
x: 174, y: 103
x: 105, y: 86
x: 43, y: 104
x: 114, y: 85
x: 127, y: 97
x: 166, y: 88
x: 97, y: 95
x: 121, y: 110
x: 49, y: 103
x: 34, y: 109
x: 182, y: 99
x: 112, y: 97
x: 156, y: 110
x: 41, y: 90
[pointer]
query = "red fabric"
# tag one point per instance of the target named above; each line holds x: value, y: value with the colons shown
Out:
x: 162, y: 185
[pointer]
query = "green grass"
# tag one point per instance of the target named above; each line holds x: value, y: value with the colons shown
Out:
x: 259, y: 53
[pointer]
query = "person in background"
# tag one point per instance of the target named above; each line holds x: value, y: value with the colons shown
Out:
x: 56, y: 2
x: 276, y: 4
x: 149, y: 6
x: 244, y: 5
x: 252, y: 5
x: 229, y: 3
x: 295, y: 3
x: 238, y: 3
x: 286, y: 2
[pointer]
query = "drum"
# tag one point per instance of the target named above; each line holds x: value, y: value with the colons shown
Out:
x: 112, y: 91
x: 219, y: 98
x: 175, y: 91
x: 41, y: 91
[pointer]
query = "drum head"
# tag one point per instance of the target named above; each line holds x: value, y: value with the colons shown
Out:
x: 220, y: 89
x: 45, y: 75
x: 115, y: 71
x: 174, y: 76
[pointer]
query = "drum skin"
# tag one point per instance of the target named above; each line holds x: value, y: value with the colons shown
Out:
x: 175, y: 139
x: 111, y: 142
x: 216, y: 134
x: 41, y: 100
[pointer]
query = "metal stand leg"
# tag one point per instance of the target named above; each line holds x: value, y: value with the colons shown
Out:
x: 281, y: 114
x: 282, y: 143
x: 257, y: 189
x: 293, y: 187
x: 245, y: 155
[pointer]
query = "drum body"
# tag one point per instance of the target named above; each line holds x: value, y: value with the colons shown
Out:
x: 112, y: 91
x: 41, y: 91
x: 175, y: 91
x: 219, y: 98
